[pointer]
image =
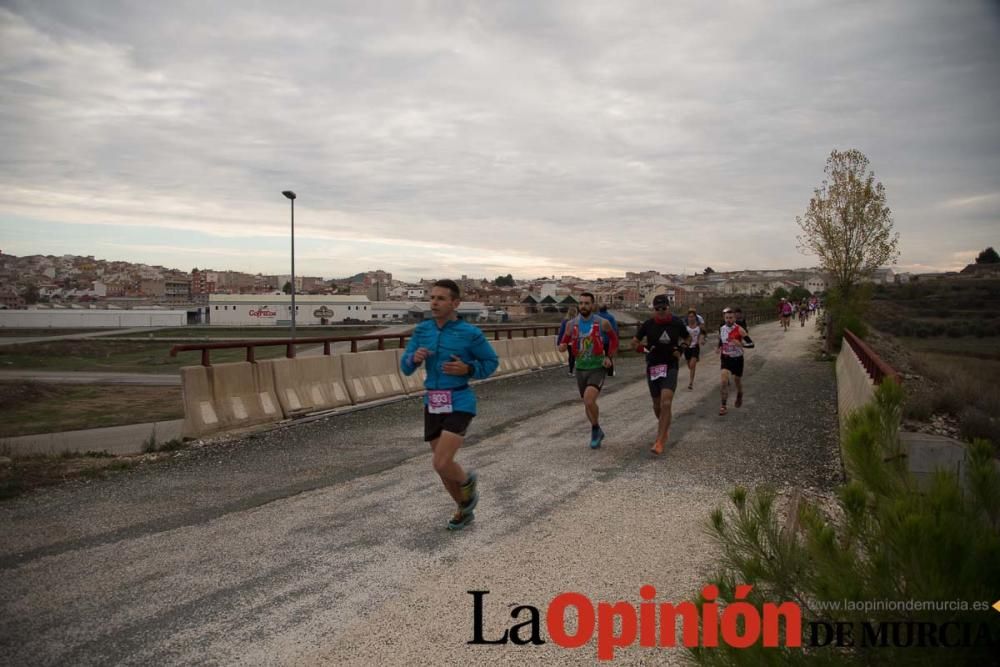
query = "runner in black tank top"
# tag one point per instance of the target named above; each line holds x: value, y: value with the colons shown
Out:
x: 662, y: 339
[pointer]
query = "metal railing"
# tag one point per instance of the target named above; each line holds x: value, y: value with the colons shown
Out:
x: 251, y: 345
x: 877, y: 369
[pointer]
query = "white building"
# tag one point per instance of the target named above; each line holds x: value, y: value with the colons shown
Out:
x: 274, y: 310
x: 815, y: 284
x: 239, y: 310
x: 390, y: 311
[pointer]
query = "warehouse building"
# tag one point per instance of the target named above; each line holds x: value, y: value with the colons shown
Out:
x: 237, y: 310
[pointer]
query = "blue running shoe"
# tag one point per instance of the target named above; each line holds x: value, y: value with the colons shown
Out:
x: 470, y: 495
x: 461, y: 519
x: 595, y: 438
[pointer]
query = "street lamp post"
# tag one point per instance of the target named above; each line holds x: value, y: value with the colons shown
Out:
x: 291, y: 197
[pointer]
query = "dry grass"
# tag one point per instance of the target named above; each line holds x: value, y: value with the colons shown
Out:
x: 963, y: 387
x: 34, y: 407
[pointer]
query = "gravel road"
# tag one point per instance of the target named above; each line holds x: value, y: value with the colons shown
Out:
x: 324, y: 543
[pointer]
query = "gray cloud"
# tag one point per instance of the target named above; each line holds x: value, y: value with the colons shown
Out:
x: 579, y: 134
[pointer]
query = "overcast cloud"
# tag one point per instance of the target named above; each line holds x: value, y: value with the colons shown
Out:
x: 447, y: 138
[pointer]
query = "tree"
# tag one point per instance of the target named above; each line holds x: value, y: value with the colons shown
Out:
x: 708, y: 270
x: 30, y: 294
x: 780, y: 293
x: 847, y: 223
x: 849, y: 227
x: 287, y: 289
x: 988, y: 256
x: 504, y: 281
x: 799, y: 293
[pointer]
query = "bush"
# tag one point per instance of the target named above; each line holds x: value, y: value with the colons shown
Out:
x: 974, y: 422
x: 888, y: 542
x: 955, y: 331
x: 921, y: 331
x: 919, y: 406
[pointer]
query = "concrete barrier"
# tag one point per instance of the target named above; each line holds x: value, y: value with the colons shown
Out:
x: 522, y: 353
x: 308, y: 384
x: 854, y: 387
x: 372, y: 375
x: 323, y: 381
x: 546, y: 352
x: 201, y: 415
x: 502, y: 349
x: 413, y: 384
x: 287, y: 389
x: 239, y: 397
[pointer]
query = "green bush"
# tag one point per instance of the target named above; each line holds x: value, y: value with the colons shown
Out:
x: 919, y: 406
x: 886, y: 541
x: 974, y: 422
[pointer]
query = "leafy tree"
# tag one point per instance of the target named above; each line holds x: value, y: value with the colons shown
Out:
x: 780, y: 293
x: 798, y: 293
x: 504, y: 281
x: 988, y: 256
x: 887, y: 540
x: 708, y: 270
x: 31, y: 294
x: 848, y: 225
x: 287, y: 288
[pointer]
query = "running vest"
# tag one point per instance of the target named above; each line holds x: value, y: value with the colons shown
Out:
x: 727, y: 337
x: 695, y: 333
x: 588, y: 347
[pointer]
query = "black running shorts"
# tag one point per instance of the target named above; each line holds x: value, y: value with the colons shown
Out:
x: 657, y: 386
x: 590, y: 378
x: 733, y: 364
x: 692, y: 353
x: 453, y: 422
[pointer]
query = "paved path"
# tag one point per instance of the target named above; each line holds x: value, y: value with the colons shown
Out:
x: 324, y: 543
x: 127, y: 439
x: 92, y: 334
x: 88, y: 377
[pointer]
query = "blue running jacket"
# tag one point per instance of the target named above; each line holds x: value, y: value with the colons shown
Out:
x: 456, y: 337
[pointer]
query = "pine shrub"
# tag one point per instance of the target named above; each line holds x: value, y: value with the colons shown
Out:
x: 886, y: 541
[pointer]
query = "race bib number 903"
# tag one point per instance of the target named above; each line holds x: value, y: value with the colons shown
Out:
x: 439, y: 401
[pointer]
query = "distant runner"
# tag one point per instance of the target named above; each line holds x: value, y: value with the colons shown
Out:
x: 692, y: 353
x: 730, y: 351
x: 458, y: 352
x: 571, y: 356
x: 662, y: 338
x: 785, y: 311
x: 741, y: 320
x: 585, y: 335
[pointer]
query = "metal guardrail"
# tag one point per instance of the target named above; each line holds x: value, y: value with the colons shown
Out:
x: 289, y: 344
x: 877, y: 368
x: 752, y: 316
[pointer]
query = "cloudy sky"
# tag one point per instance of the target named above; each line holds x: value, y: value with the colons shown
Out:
x: 481, y: 138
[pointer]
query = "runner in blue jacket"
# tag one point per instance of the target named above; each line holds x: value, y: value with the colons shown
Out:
x: 455, y: 352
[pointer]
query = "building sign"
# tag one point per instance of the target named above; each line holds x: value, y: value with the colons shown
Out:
x: 323, y: 312
x: 263, y: 312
